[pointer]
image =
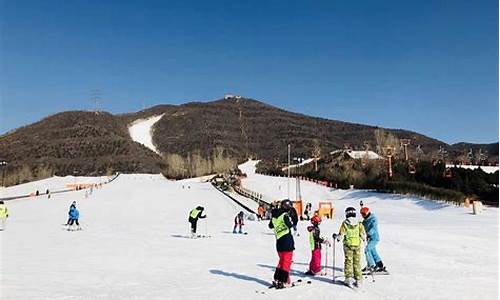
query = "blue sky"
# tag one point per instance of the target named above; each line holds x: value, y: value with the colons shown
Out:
x: 427, y: 66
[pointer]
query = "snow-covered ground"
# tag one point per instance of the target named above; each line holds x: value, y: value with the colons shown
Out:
x: 133, y: 246
x: 140, y: 131
x: 487, y: 169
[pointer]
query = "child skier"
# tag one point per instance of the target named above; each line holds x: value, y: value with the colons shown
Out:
x: 315, y: 241
x: 73, y: 205
x: 238, y: 222
x: 74, y: 215
x: 194, y: 215
x: 281, y: 225
x: 373, y: 260
x: 4, y: 214
x: 351, y: 232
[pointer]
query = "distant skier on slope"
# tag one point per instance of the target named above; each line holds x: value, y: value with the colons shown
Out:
x: 238, y: 223
x: 74, y: 215
x: 194, y: 215
x: 73, y: 205
x: 315, y: 241
x: 281, y: 225
x: 373, y: 260
x: 351, y: 232
x: 4, y: 214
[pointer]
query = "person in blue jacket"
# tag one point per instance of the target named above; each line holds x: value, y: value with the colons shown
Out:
x: 74, y: 215
x: 374, y: 262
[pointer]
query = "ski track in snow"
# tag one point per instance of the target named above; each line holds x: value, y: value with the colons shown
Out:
x: 133, y: 245
x: 140, y: 131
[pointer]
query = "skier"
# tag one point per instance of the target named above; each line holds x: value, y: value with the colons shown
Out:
x: 194, y: 215
x: 351, y: 232
x: 4, y: 214
x: 238, y: 222
x: 72, y: 206
x: 281, y: 225
x: 307, y: 211
x: 261, y: 213
x: 74, y: 215
x: 315, y: 241
x: 373, y: 260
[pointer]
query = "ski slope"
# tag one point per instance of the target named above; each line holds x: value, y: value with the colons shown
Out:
x: 133, y: 246
x: 141, y: 131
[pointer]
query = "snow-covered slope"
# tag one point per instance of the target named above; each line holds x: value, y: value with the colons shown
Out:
x: 132, y: 246
x: 52, y: 184
x: 140, y: 131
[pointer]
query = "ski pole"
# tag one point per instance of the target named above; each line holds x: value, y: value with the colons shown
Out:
x: 206, y: 230
x: 334, y: 241
x: 326, y: 260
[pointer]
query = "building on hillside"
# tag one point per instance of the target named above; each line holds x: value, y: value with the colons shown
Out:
x: 352, y: 154
x: 231, y: 96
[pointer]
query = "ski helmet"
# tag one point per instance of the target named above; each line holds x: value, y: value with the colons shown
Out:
x: 286, y: 204
x: 315, y: 220
x: 365, y: 211
x: 350, y: 212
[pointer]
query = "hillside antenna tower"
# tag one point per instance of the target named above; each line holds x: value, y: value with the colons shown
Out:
x: 95, y: 98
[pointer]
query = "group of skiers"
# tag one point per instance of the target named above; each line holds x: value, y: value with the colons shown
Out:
x: 351, y: 232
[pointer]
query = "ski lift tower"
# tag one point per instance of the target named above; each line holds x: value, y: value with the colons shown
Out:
x: 389, y: 153
x: 404, y: 144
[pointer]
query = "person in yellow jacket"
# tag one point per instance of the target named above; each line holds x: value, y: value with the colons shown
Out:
x: 4, y: 214
x: 352, y: 232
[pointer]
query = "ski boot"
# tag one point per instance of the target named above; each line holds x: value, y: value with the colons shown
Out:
x: 279, y: 285
x: 348, y: 282
x: 368, y: 269
x: 357, y: 283
x: 380, y: 267
x: 309, y: 273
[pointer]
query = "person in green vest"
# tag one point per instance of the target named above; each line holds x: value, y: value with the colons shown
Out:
x: 281, y: 224
x: 194, y: 215
x: 4, y: 214
x: 352, y: 232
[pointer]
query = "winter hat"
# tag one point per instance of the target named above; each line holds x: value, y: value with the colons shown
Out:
x: 200, y: 208
x: 350, y: 212
x: 365, y: 211
x: 315, y: 220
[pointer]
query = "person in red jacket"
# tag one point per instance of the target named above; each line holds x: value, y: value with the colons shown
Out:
x: 315, y: 241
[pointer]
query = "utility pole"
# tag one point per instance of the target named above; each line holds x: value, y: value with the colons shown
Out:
x: 288, y: 181
x: 3, y: 164
x: 298, y: 195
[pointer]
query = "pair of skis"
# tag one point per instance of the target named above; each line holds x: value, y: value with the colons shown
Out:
x: 372, y: 273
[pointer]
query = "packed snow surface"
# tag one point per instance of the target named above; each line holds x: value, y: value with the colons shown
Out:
x: 141, y: 131
x: 133, y: 246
